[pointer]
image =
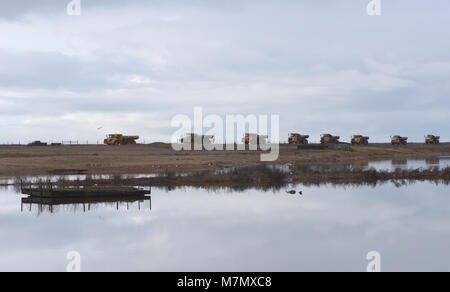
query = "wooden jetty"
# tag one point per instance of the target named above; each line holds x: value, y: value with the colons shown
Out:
x: 90, y: 192
x: 49, y: 204
x: 71, y: 201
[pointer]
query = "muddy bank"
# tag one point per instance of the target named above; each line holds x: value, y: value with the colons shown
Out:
x: 160, y: 158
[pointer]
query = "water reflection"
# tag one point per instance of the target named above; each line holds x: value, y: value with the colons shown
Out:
x: 327, y: 229
x: 50, y: 198
x: 325, y: 168
x: 382, y: 165
x: 53, y: 205
x: 391, y: 165
x: 433, y: 161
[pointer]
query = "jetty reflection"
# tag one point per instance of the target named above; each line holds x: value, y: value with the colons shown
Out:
x: 51, y: 200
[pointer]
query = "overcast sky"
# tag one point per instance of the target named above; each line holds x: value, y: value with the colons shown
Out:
x: 130, y: 66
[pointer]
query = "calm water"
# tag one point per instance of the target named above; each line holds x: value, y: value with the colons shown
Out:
x: 326, y: 229
x: 441, y: 163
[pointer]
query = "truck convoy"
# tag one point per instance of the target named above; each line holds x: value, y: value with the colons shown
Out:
x: 119, y: 139
x: 293, y: 139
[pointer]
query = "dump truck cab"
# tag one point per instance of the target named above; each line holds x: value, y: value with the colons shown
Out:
x: 328, y: 138
x: 432, y: 139
x: 119, y: 139
x: 399, y: 140
x: 360, y: 140
x: 296, y: 138
x: 113, y: 139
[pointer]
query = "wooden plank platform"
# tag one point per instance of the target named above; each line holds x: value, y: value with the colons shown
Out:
x: 119, y: 192
x: 70, y: 201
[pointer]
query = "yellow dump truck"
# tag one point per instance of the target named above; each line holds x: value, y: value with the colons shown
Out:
x: 360, y: 140
x: 329, y: 139
x: 399, y: 140
x: 119, y: 139
x: 296, y: 138
x: 254, y: 139
x: 431, y: 139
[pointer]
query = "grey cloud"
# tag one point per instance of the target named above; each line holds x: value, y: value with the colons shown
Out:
x: 164, y: 57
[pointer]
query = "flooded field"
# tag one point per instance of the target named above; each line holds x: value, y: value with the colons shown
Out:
x: 441, y: 163
x: 327, y: 228
x: 265, y: 176
x: 383, y: 165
